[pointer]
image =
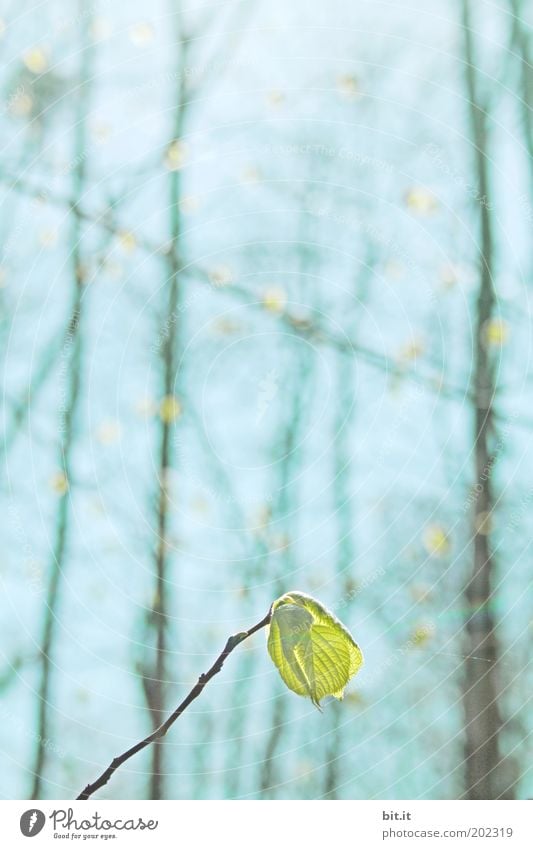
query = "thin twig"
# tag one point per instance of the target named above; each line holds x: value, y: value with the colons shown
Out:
x: 160, y: 732
x: 74, y: 334
x: 307, y: 329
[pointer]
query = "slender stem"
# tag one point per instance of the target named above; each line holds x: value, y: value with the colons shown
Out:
x: 160, y: 732
x: 74, y: 337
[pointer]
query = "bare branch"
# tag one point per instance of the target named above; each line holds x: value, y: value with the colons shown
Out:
x: 160, y: 732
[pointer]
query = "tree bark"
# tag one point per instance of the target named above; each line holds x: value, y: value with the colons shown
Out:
x: 481, y: 686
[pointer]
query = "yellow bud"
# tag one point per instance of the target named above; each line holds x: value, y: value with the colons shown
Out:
x: 59, y: 483
x: 274, y: 299
x: 348, y: 86
x: 483, y: 523
x: 169, y: 409
x: 496, y: 332
x: 422, y: 635
x: 35, y: 60
x: 251, y: 175
x: 175, y: 156
x: 127, y: 241
x: 421, y: 201
x: 435, y: 540
x: 108, y: 432
x: 411, y: 351
x: 221, y: 276
x: 141, y: 34
x: 275, y: 98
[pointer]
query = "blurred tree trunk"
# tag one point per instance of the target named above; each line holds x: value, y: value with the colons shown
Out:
x: 155, y: 678
x: 481, y: 685
x: 155, y: 683
x: 73, y: 375
x: 284, y: 515
x: 521, y: 42
x: 345, y: 553
x: 343, y: 442
x: 299, y: 395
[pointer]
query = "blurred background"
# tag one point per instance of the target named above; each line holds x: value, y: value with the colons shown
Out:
x: 265, y: 313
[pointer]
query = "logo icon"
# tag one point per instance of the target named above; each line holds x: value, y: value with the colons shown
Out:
x: 32, y: 822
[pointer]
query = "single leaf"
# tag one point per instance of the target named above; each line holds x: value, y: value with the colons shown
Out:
x: 314, y: 653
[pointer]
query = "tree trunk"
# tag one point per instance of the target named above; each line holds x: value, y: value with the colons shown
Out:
x: 73, y: 348
x: 481, y: 686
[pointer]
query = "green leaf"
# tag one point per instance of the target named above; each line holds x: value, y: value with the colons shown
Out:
x: 315, y: 654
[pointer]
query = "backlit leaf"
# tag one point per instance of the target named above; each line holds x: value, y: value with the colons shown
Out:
x: 314, y: 653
